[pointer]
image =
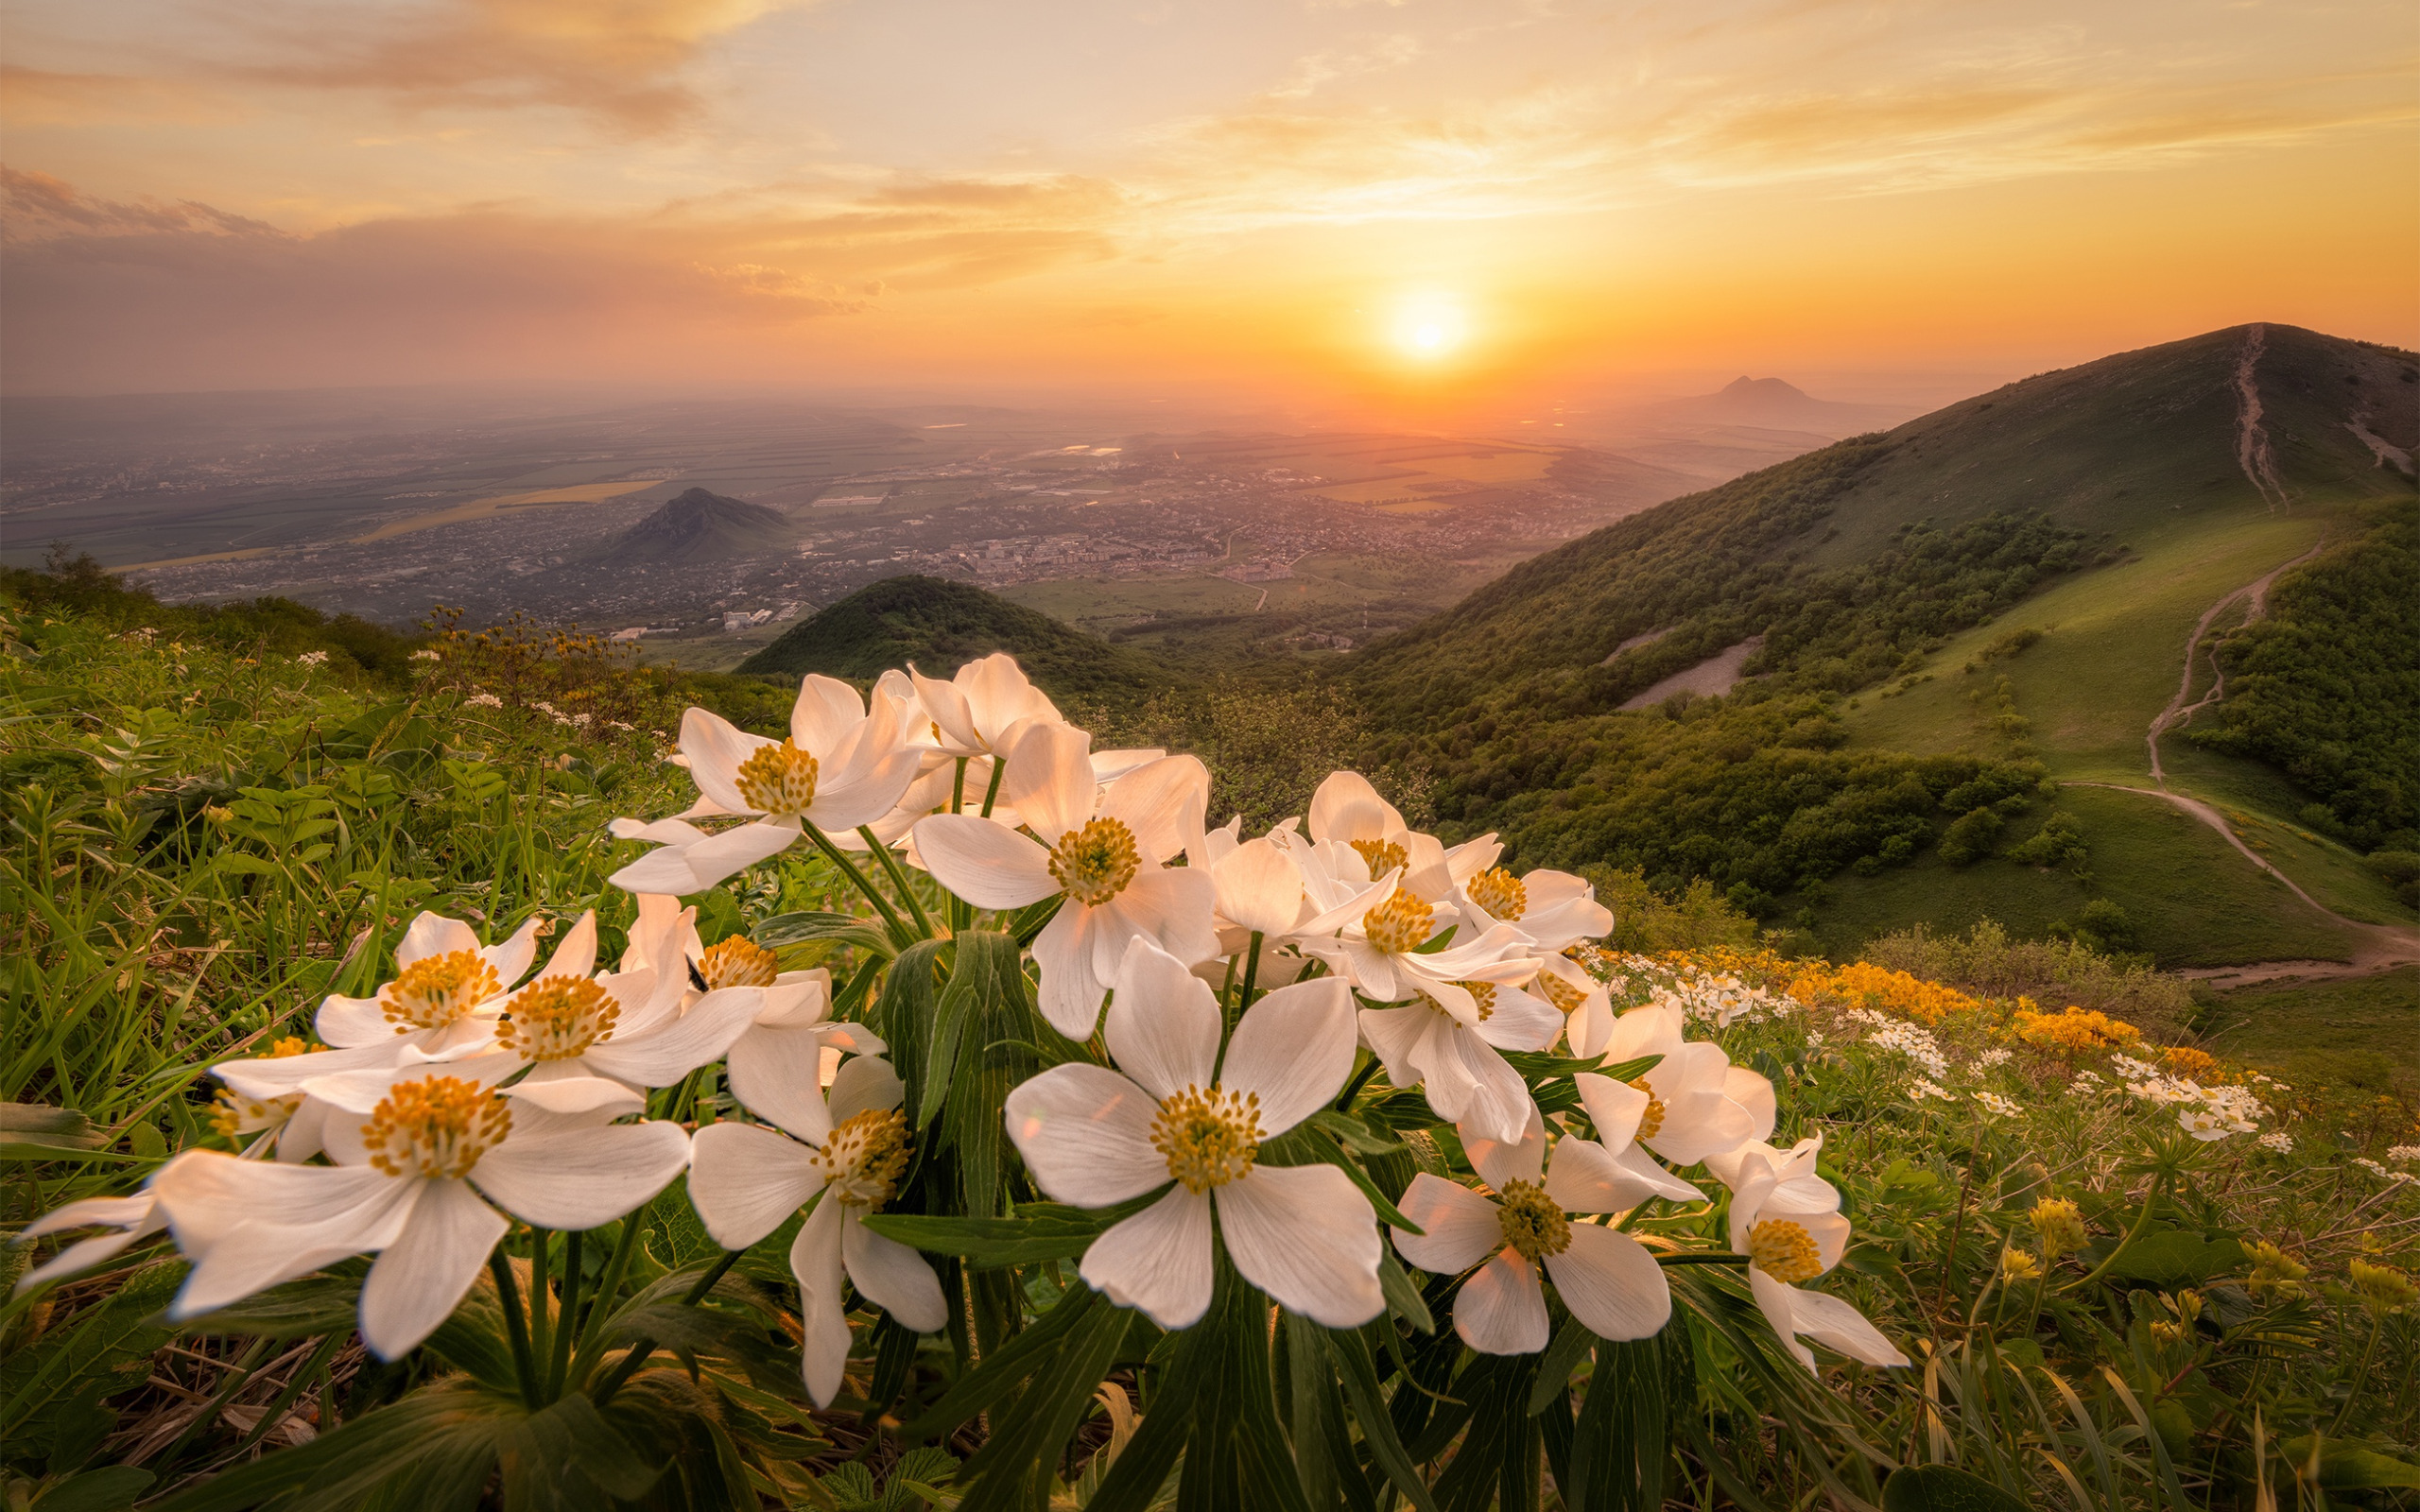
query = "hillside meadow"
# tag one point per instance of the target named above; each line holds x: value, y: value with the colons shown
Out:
x: 1453, y: 1184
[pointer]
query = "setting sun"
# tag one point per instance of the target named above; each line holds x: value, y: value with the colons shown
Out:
x: 1429, y: 328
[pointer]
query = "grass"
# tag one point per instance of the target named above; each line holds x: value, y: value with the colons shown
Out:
x: 2361, y: 1032
x: 484, y: 509
x: 2193, y: 902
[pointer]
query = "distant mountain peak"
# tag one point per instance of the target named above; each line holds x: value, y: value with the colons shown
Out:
x: 699, y: 525
x: 1747, y: 388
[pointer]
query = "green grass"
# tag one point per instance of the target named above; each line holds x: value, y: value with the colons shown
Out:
x: 2360, y: 1032
x: 2191, y: 898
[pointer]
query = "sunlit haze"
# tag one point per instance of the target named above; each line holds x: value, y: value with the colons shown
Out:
x: 1314, y: 202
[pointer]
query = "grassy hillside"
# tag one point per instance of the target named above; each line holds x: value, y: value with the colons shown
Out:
x: 938, y: 625
x: 2010, y: 584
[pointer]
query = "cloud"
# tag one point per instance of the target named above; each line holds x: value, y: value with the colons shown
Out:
x: 39, y: 208
x: 620, y: 63
x: 36, y: 96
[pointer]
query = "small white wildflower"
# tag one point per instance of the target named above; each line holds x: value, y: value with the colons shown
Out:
x: 1996, y: 1105
x: 620, y: 723
x: 2279, y: 1141
x: 2404, y: 1154
x: 427, y: 656
x: 1920, y: 1089
x: 2207, y: 1126
x: 483, y: 701
x: 1990, y: 1058
x: 2129, y: 1067
x: 2379, y: 1171
x: 311, y: 659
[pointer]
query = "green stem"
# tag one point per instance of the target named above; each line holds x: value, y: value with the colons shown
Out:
x: 961, y: 913
x: 2142, y: 1221
x: 1702, y: 1257
x: 898, y: 880
x: 992, y: 794
x: 541, y: 1320
x: 509, y: 1302
x: 849, y: 868
x: 570, y: 1310
x: 641, y: 1350
x: 2369, y: 1353
x: 1360, y: 1080
x: 609, y: 1286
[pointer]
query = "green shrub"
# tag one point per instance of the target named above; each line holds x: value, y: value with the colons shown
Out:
x: 1969, y: 838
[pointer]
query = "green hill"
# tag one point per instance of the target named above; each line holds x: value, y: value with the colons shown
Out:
x: 1941, y: 624
x: 938, y: 625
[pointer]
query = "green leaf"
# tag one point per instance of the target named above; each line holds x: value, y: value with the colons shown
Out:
x: 557, y: 1459
x: 107, y: 1351
x: 49, y: 1127
x: 432, y: 1452
x: 1403, y: 1296
x: 2174, y: 1257
x: 1945, y: 1488
x: 2348, y: 1465
x: 836, y: 929
x: 1300, y: 1146
x: 987, y: 976
x: 1562, y: 1357
x: 1355, y: 1133
x: 106, y: 1489
x: 1036, y: 1232
x: 312, y: 1306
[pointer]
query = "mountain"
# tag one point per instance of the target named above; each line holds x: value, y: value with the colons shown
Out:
x: 702, y: 526
x: 938, y: 625
x: 1933, y: 623
x: 1770, y: 404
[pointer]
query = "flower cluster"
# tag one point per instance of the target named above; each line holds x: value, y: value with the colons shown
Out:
x: 2073, y: 1032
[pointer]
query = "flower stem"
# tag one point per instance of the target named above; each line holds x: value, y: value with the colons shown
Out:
x: 992, y: 794
x: 645, y: 1348
x: 898, y: 880
x: 2368, y: 1353
x: 570, y: 1309
x: 516, y: 1327
x: 541, y: 1322
x: 2142, y: 1221
x: 609, y: 1286
x: 1251, y: 974
x: 849, y: 868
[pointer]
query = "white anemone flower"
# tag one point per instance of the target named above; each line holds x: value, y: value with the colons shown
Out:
x: 1609, y: 1281
x: 747, y: 1179
x: 1101, y: 850
x: 778, y: 1064
x: 1096, y: 1137
x: 628, y: 1026
x: 1554, y: 910
x: 129, y: 1219
x: 1786, y: 1221
x: 845, y: 763
x: 1450, y: 1043
x: 1696, y: 1103
x: 413, y: 1182
x: 973, y: 712
x: 1348, y: 810
x: 448, y: 992
x: 1587, y: 1004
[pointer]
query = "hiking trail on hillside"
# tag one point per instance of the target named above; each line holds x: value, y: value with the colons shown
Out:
x: 2252, y: 450
x: 2381, y: 946
x: 2179, y: 713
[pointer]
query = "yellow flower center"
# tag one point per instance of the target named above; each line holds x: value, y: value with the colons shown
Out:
x: 737, y: 962
x: 1784, y: 1251
x: 1382, y: 855
x: 435, y: 991
x: 1482, y: 996
x: 437, y: 1127
x: 1500, y: 893
x: 1093, y: 863
x: 865, y: 1157
x: 777, y: 779
x: 1651, y: 1122
x: 556, y: 1017
x: 1208, y: 1138
x: 1401, y: 924
x: 1561, y: 993
x: 1533, y: 1224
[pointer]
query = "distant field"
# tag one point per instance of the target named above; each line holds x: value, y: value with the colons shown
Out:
x: 2364, y: 1030
x: 1098, y: 603
x: 488, y: 509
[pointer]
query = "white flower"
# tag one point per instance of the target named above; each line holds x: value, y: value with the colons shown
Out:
x: 413, y: 1182
x: 129, y: 1218
x: 843, y: 765
x: 983, y: 702
x: 1996, y: 1105
x: 1450, y: 1047
x: 1103, y: 851
x: 1553, y: 910
x: 2279, y: 1141
x: 747, y: 1180
x: 1920, y: 1089
x: 1690, y: 1104
x: 2379, y: 1171
x: 447, y: 990
x: 311, y: 659
x: 1609, y: 1281
x: 483, y: 701
x: 1257, y: 886
x: 1348, y: 810
x: 1992, y: 1058
x: 1786, y: 1221
x: 2404, y: 1154
x: 1093, y: 1137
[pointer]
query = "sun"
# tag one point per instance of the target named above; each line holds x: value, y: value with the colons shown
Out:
x: 1429, y: 328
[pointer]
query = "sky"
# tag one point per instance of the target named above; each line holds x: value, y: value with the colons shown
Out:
x: 1332, y: 201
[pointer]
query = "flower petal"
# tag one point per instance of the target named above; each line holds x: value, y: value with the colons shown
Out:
x: 863, y: 1086
x: 1049, y: 779
x: 1461, y: 1227
x: 433, y: 935
x: 1293, y: 1050
x: 1754, y: 1093
x: 1610, y: 1283
x: 894, y: 1277
x: 1502, y: 1310
x: 1778, y: 1302
x: 1346, y: 807
x: 582, y: 1177
x: 826, y: 712
x: 1159, y: 1260
x: 248, y: 1225
x: 745, y: 1181
x: 1582, y: 1177
x: 420, y: 1277
x: 1163, y: 1025
x: 1307, y: 1236
x: 822, y: 1310
x: 774, y: 1073
x: 854, y: 798
x: 983, y: 861
x: 1162, y: 804
x: 1085, y: 1133
x: 1176, y: 907
x: 1615, y: 1107
x: 1500, y: 1162
x: 1840, y: 1327
x: 1257, y: 886
x: 1071, y: 991
x: 660, y: 1056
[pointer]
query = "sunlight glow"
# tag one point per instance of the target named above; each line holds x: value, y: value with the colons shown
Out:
x: 1429, y: 327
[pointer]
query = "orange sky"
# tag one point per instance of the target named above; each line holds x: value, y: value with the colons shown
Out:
x: 1259, y: 197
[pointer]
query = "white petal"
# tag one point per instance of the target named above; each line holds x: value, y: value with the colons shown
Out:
x: 577, y: 954
x: 1307, y: 1236
x: 734, y: 851
x: 1754, y: 1093
x: 1582, y: 1177
x: 418, y: 1279
x: 587, y: 1100
x: 1161, y: 803
x: 1346, y: 807
x: 582, y: 1178
x: 745, y: 1181
x: 269, y: 1077
x: 1159, y: 1260
x: 1461, y: 1227
x: 715, y: 746
x: 1071, y: 993
x: 1293, y: 1049
x: 1499, y: 1162
x: 1394, y: 1035
x: 433, y: 935
x: 1049, y: 779
x: 983, y: 861
x: 656, y: 831
x: 1777, y: 1300
x: 773, y: 1074
x: 1163, y: 1025
x: 82, y: 1255
x: 512, y: 958
x: 1519, y: 1022
x: 1843, y: 1329
x: 1258, y: 888
x: 1610, y: 1283
x: 1615, y: 1107
x: 1642, y: 1167
x: 1085, y: 1133
x: 823, y: 1312
x: 346, y: 1022
x: 864, y: 1086
x: 894, y: 1277
x: 664, y: 870
x: 248, y: 1225
x: 826, y: 711
x: 663, y: 1055
x: 852, y: 797
x: 1502, y: 1310
x: 1177, y: 908
x: 1495, y: 1100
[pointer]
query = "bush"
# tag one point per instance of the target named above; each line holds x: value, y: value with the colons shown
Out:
x: 1643, y: 919
x: 1969, y: 839
x: 2059, y: 843
x: 1988, y: 963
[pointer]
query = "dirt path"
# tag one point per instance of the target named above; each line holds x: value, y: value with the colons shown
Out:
x: 2380, y: 947
x: 2178, y: 712
x: 2252, y: 450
